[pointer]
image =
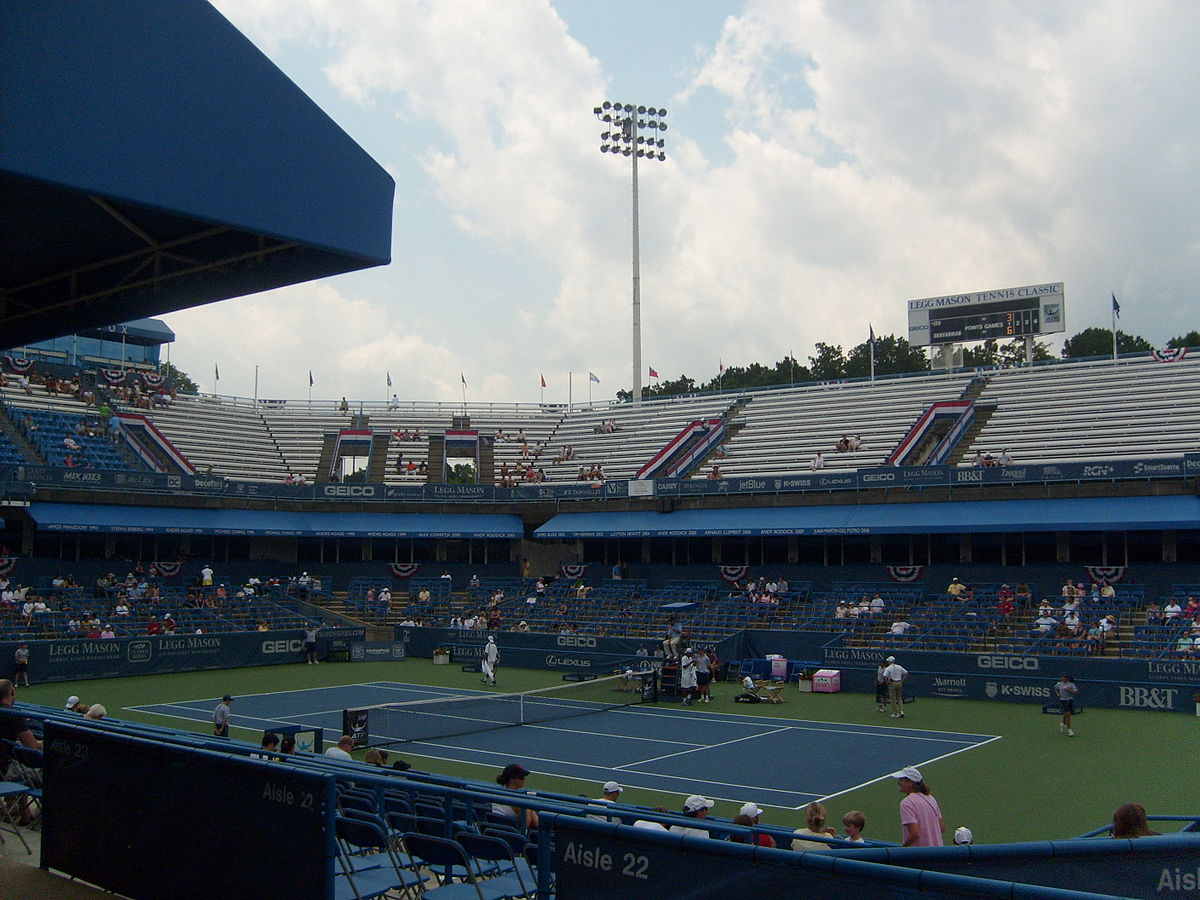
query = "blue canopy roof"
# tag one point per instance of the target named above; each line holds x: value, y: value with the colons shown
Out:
x: 86, y: 517
x: 1087, y: 514
x: 154, y: 159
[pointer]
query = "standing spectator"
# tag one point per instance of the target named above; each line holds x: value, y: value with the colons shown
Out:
x: 310, y: 642
x: 1066, y: 690
x: 491, y: 658
x: 694, y: 807
x: 702, y: 674
x: 220, y: 717
x: 687, y: 676
x: 814, y: 826
x: 206, y: 576
x: 896, y: 675
x: 881, y: 688
x: 920, y: 815
x: 21, y: 665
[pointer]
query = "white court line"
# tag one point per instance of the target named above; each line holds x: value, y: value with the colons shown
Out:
x: 749, y: 737
x: 382, y: 685
x: 768, y: 721
x: 507, y: 755
x: 925, y: 763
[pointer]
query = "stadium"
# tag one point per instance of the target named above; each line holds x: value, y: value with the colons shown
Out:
x: 165, y: 549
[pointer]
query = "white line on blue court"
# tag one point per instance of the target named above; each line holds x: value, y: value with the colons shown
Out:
x: 925, y: 763
x: 748, y: 737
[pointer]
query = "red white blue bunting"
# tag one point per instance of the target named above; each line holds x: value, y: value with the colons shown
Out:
x: 7, y: 564
x: 572, y: 570
x: 404, y: 570
x: 733, y: 574
x: 19, y: 364
x: 1170, y: 354
x: 905, y: 574
x: 1111, y: 574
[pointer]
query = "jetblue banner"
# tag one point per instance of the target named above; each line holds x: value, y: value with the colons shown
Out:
x: 72, y: 659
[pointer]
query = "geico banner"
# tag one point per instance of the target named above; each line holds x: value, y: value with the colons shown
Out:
x: 66, y: 660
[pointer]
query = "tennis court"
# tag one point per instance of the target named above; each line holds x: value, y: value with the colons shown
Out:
x: 784, y: 763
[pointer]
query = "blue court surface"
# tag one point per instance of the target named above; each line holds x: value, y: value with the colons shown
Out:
x: 775, y: 762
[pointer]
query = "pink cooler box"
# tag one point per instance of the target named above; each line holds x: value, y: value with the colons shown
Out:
x: 827, y: 681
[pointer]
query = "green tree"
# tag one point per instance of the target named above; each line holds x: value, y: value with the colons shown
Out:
x: 893, y: 356
x: 829, y: 363
x: 461, y: 473
x: 1099, y: 342
x: 181, y: 381
x: 1191, y: 339
x: 756, y: 375
x: 993, y: 353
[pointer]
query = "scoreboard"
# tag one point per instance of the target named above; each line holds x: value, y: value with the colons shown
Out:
x: 1002, y: 314
x: 979, y: 322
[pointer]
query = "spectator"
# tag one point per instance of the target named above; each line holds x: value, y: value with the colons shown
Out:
x: 818, y: 462
x: 1172, y: 610
x: 955, y: 588
x: 854, y: 822
x: 610, y: 793
x: 96, y: 711
x: 814, y: 826
x: 341, y: 750
x: 1044, y: 624
x: 896, y: 675
x: 902, y: 627
x: 752, y: 814
x: 270, y: 745
x: 920, y: 816
x: 512, y: 778
x: 154, y: 627
x: 287, y: 745
x: 1129, y: 821
x: 963, y: 836
x: 694, y: 807
x: 375, y: 757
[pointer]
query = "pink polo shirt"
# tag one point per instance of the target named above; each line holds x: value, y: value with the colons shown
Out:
x: 922, y: 810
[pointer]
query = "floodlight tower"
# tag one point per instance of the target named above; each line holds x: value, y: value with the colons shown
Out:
x: 624, y: 122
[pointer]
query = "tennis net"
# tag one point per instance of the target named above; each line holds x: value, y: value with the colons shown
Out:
x: 444, y: 717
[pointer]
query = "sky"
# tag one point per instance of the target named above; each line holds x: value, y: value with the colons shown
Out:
x: 826, y: 162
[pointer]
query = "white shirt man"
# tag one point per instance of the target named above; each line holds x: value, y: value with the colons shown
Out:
x: 818, y: 462
x: 610, y: 793
x: 1044, y: 624
x: 895, y: 674
x: 877, y: 605
x: 1172, y: 610
x: 695, y: 807
x: 901, y: 627
x: 341, y: 750
x: 491, y: 656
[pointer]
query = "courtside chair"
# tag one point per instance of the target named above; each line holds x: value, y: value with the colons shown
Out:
x: 361, y: 842
x: 444, y: 855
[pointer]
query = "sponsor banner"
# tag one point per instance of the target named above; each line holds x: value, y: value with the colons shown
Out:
x: 573, y: 652
x: 376, y: 651
x: 67, y: 660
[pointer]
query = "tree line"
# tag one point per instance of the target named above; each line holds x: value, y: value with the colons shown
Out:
x: 894, y: 355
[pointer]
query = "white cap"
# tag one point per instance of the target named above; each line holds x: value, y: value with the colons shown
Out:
x: 611, y: 787
x: 891, y: 659
x: 751, y: 810
x: 912, y: 773
x: 491, y: 640
x: 695, y: 803
x: 72, y: 701
x: 962, y: 835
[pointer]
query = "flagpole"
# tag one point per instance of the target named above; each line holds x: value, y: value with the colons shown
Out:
x: 464, y: 387
x: 570, y: 388
x: 1114, y: 325
x: 256, y: 386
x: 872, y: 354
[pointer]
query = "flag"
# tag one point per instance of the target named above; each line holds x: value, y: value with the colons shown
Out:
x: 592, y: 377
x: 653, y: 374
x: 871, y: 329
x: 1116, y: 307
x: 216, y: 373
x: 389, y: 375
x: 720, y: 366
x: 543, y: 381
x: 310, y: 378
x: 463, y: 376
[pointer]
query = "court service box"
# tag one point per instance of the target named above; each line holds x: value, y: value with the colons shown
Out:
x: 827, y: 681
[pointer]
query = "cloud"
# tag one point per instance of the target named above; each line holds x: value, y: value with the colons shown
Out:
x: 872, y: 153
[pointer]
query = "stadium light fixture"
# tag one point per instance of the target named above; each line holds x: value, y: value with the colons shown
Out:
x: 623, y: 124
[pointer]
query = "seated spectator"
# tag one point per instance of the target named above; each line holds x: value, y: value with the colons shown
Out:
x: 154, y: 627
x: 694, y: 807
x: 1185, y: 646
x: 854, y: 822
x: 1172, y: 610
x: 96, y: 711
x: 843, y: 444
x: 1004, y: 459
x: 1154, y: 613
x: 955, y: 588
x: 1129, y: 821
x: 818, y: 462
x: 512, y: 778
x: 1024, y: 594
x: 750, y: 815
x: 1045, y: 624
x: 341, y: 750
x: 1107, y: 590
x: 814, y: 818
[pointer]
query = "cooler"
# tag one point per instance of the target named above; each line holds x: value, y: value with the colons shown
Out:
x: 827, y: 681
x: 779, y: 667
